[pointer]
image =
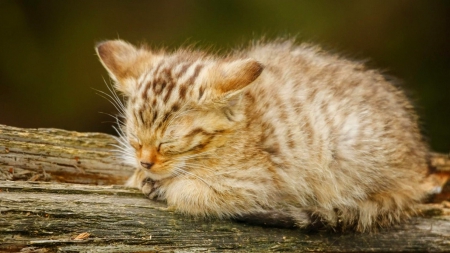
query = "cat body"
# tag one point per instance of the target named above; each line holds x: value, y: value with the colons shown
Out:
x: 276, y: 131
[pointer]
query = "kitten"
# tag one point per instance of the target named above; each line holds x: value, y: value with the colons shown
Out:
x: 277, y: 132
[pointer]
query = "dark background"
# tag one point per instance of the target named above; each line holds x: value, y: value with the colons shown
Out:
x: 48, y: 68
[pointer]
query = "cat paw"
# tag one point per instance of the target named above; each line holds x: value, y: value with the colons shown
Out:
x: 150, y: 188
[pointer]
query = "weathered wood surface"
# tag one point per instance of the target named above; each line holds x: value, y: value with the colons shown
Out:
x: 72, y: 157
x: 60, y: 156
x: 40, y: 216
x: 49, y: 216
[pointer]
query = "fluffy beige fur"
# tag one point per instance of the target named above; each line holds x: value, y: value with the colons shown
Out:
x: 277, y: 129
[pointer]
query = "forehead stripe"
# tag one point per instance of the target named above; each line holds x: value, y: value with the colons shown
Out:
x: 145, y: 91
x: 144, y: 88
x: 169, y: 90
x: 183, y: 70
x: 196, y: 72
x: 190, y: 81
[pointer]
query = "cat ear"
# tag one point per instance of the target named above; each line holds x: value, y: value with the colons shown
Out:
x: 231, y: 77
x: 122, y: 61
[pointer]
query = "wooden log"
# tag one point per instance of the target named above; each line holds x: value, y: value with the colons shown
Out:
x: 93, y: 216
x: 86, y: 158
x: 60, y: 156
x: 55, y: 217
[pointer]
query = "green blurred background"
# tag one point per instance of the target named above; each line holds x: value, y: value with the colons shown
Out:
x: 48, y: 68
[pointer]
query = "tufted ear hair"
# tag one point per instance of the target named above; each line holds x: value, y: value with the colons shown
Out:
x: 225, y: 82
x: 123, y: 61
x: 228, y: 78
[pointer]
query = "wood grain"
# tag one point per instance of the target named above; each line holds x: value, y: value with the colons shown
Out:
x: 49, y: 216
x: 60, y: 156
x: 81, y: 208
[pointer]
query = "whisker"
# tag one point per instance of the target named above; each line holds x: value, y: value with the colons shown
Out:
x: 114, y: 93
x: 122, y: 149
x: 114, y: 99
x: 108, y: 97
x: 122, y: 141
x: 193, y: 175
x: 109, y: 114
x: 213, y: 172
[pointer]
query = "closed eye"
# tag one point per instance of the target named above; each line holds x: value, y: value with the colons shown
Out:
x: 197, y: 139
x: 163, y: 143
x: 135, y: 143
x: 197, y: 147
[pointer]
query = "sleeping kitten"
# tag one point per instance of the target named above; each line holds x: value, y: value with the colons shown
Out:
x: 278, y: 131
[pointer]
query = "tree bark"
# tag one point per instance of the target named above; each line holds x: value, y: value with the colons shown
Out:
x: 82, y: 209
x: 60, y: 156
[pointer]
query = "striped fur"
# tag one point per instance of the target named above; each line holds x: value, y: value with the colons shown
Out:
x: 275, y: 130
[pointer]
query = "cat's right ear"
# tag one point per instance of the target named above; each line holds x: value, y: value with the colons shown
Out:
x: 229, y: 78
x: 123, y: 62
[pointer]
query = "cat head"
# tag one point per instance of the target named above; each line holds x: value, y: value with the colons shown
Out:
x: 180, y: 105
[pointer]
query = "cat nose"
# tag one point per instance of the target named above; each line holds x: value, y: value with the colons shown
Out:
x: 147, y: 165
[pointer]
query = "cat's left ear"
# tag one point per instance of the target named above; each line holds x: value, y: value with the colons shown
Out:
x: 229, y: 78
x: 123, y: 62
